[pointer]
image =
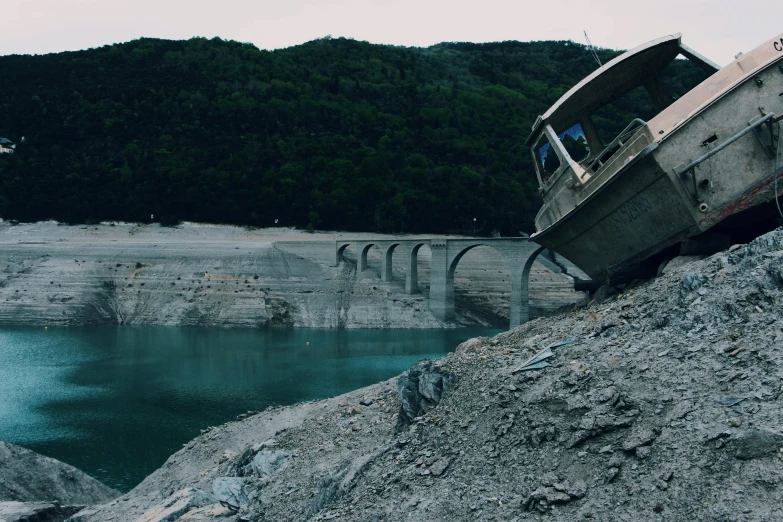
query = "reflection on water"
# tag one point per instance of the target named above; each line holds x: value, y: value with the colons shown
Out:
x: 117, y: 401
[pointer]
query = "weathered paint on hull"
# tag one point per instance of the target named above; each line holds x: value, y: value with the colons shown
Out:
x: 613, y: 225
x: 647, y: 207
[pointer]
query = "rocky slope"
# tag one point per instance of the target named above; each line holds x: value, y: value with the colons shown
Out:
x: 662, y: 403
x: 210, y: 275
x: 34, y: 487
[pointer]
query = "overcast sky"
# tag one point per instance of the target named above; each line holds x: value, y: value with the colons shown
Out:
x: 718, y: 29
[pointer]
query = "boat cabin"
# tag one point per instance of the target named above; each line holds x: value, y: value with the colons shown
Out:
x: 630, y: 161
x: 575, y: 142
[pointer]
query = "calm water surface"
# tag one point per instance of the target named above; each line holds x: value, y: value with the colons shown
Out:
x: 116, y: 401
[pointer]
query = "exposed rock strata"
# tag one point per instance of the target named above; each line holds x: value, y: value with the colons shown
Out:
x: 667, y: 407
x: 206, y: 275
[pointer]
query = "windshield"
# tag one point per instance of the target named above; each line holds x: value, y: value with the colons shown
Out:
x: 548, y: 158
x: 575, y: 143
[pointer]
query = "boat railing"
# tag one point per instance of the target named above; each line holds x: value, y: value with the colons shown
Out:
x: 681, y: 170
x: 616, y: 144
x: 693, y: 164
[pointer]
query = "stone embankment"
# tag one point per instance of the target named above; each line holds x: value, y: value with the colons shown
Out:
x: 211, y: 275
x: 34, y: 488
x: 661, y: 403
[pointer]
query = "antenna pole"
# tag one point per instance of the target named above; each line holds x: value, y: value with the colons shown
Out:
x: 591, y: 48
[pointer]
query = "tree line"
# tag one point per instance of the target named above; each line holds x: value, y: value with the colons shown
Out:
x: 331, y: 134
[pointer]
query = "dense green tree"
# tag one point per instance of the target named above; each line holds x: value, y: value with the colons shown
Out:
x: 334, y: 133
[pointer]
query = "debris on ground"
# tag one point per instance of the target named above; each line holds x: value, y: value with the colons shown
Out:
x: 666, y: 407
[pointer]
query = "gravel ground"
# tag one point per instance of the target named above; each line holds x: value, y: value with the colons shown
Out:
x: 663, y: 405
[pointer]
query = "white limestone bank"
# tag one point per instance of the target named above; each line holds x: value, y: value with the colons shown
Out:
x: 210, y: 275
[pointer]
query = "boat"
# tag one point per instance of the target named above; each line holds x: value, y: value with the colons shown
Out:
x: 676, y: 172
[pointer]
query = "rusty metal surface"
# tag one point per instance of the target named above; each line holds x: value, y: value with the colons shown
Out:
x: 682, y: 179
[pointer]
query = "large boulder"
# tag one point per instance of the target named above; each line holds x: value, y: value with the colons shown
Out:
x: 235, y: 492
x: 752, y: 444
x: 269, y: 462
x: 421, y: 389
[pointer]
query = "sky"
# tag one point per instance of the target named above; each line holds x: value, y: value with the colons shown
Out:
x: 718, y: 29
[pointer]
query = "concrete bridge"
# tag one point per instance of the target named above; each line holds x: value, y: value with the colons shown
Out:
x: 519, y: 253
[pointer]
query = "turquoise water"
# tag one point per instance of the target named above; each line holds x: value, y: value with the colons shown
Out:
x: 116, y: 401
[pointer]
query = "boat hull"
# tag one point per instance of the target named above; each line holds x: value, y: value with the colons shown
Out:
x: 651, y: 204
x: 623, y: 221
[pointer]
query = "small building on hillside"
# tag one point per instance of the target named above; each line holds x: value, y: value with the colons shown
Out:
x: 6, y: 146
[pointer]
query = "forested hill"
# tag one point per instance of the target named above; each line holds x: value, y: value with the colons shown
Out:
x: 334, y: 133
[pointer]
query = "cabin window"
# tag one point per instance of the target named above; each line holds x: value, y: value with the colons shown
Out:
x: 613, y: 117
x: 575, y: 142
x: 548, y: 160
x: 682, y: 75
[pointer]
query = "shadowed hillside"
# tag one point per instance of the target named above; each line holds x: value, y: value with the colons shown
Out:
x: 334, y: 133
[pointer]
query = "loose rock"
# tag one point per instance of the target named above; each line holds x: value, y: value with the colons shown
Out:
x: 676, y: 426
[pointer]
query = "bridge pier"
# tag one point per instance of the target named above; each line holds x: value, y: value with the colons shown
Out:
x: 361, y: 262
x: 519, y: 312
x: 412, y: 275
x: 386, y: 263
x: 520, y: 262
x: 441, y: 285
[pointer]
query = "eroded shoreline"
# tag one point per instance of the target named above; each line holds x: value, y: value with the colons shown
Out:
x: 225, y: 276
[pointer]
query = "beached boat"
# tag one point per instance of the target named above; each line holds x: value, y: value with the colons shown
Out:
x: 693, y: 162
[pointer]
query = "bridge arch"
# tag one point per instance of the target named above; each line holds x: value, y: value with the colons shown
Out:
x: 455, y: 261
x: 364, y: 249
x: 519, y: 255
x: 412, y: 274
x: 387, y: 249
x: 340, y: 252
x: 456, y: 257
